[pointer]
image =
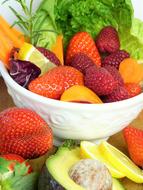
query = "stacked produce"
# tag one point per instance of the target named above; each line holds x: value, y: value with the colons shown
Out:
x: 59, y: 50
x: 75, y: 51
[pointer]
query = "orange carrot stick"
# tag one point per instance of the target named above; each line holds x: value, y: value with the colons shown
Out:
x: 5, y: 42
x: 4, y: 57
x: 2, y: 53
x: 8, y: 32
x: 58, y: 48
x: 17, y: 33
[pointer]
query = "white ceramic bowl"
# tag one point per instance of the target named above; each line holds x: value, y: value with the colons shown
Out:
x: 73, y: 120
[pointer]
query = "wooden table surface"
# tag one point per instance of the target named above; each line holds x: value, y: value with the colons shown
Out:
x: 116, y: 140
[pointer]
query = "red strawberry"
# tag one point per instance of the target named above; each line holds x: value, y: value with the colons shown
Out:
x: 99, y: 80
x: 56, y: 81
x: 24, y: 132
x: 49, y: 55
x: 115, y: 73
x: 114, y: 59
x: 134, y: 140
x: 133, y: 89
x: 14, y: 159
x: 82, y: 42
x: 107, y: 40
x: 120, y: 93
x: 81, y: 62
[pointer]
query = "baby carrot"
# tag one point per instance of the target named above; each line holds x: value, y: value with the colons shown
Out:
x: 13, y: 30
x: 6, y: 43
x: 8, y: 32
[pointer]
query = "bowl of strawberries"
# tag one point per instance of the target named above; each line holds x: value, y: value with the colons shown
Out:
x: 84, y: 78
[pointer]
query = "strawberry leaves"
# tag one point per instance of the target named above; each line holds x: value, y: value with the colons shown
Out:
x: 20, y: 182
x: 16, y: 177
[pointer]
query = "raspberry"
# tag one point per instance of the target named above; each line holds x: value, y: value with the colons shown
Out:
x: 107, y: 40
x: 99, y: 80
x: 81, y: 62
x: 115, y: 73
x: 118, y: 94
x: 115, y: 58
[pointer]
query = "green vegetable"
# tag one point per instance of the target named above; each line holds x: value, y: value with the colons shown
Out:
x: 46, y: 23
x: 39, y: 26
x: 130, y: 29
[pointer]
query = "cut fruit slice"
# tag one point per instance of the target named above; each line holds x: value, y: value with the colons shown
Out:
x: 29, y: 53
x: 117, y: 185
x: 90, y: 150
x: 121, y: 162
x: 81, y: 94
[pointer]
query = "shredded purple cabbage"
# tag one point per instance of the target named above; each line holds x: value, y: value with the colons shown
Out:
x: 23, y: 72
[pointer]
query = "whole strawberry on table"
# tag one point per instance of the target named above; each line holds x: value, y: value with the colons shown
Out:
x: 16, y: 173
x: 24, y: 135
x: 67, y: 50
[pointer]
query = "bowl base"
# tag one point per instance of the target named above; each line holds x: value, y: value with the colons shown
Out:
x: 59, y: 142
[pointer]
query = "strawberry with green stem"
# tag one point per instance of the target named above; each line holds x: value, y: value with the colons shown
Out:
x: 16, y: 173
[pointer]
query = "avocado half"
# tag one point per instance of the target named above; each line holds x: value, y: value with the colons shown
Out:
x: 55, y: 173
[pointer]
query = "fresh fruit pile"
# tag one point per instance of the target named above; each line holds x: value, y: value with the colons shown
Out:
x: 110, y: 78
x: 68, y: 54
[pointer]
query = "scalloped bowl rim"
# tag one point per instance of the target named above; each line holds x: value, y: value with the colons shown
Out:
x: 57, y: 103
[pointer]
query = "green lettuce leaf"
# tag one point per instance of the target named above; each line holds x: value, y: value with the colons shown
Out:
x: 45, y: 22
x: 131, y: 44
x: 130, y: 29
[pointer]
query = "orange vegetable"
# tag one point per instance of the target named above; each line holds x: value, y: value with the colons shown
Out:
x: 58, y: 48
x: 9, y: 38
x: 131, y: 71
x: 16, y: 32
x: 5, y: 49
x: 9, y: 32
x: 5, y: 42
x: 4, y: 56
